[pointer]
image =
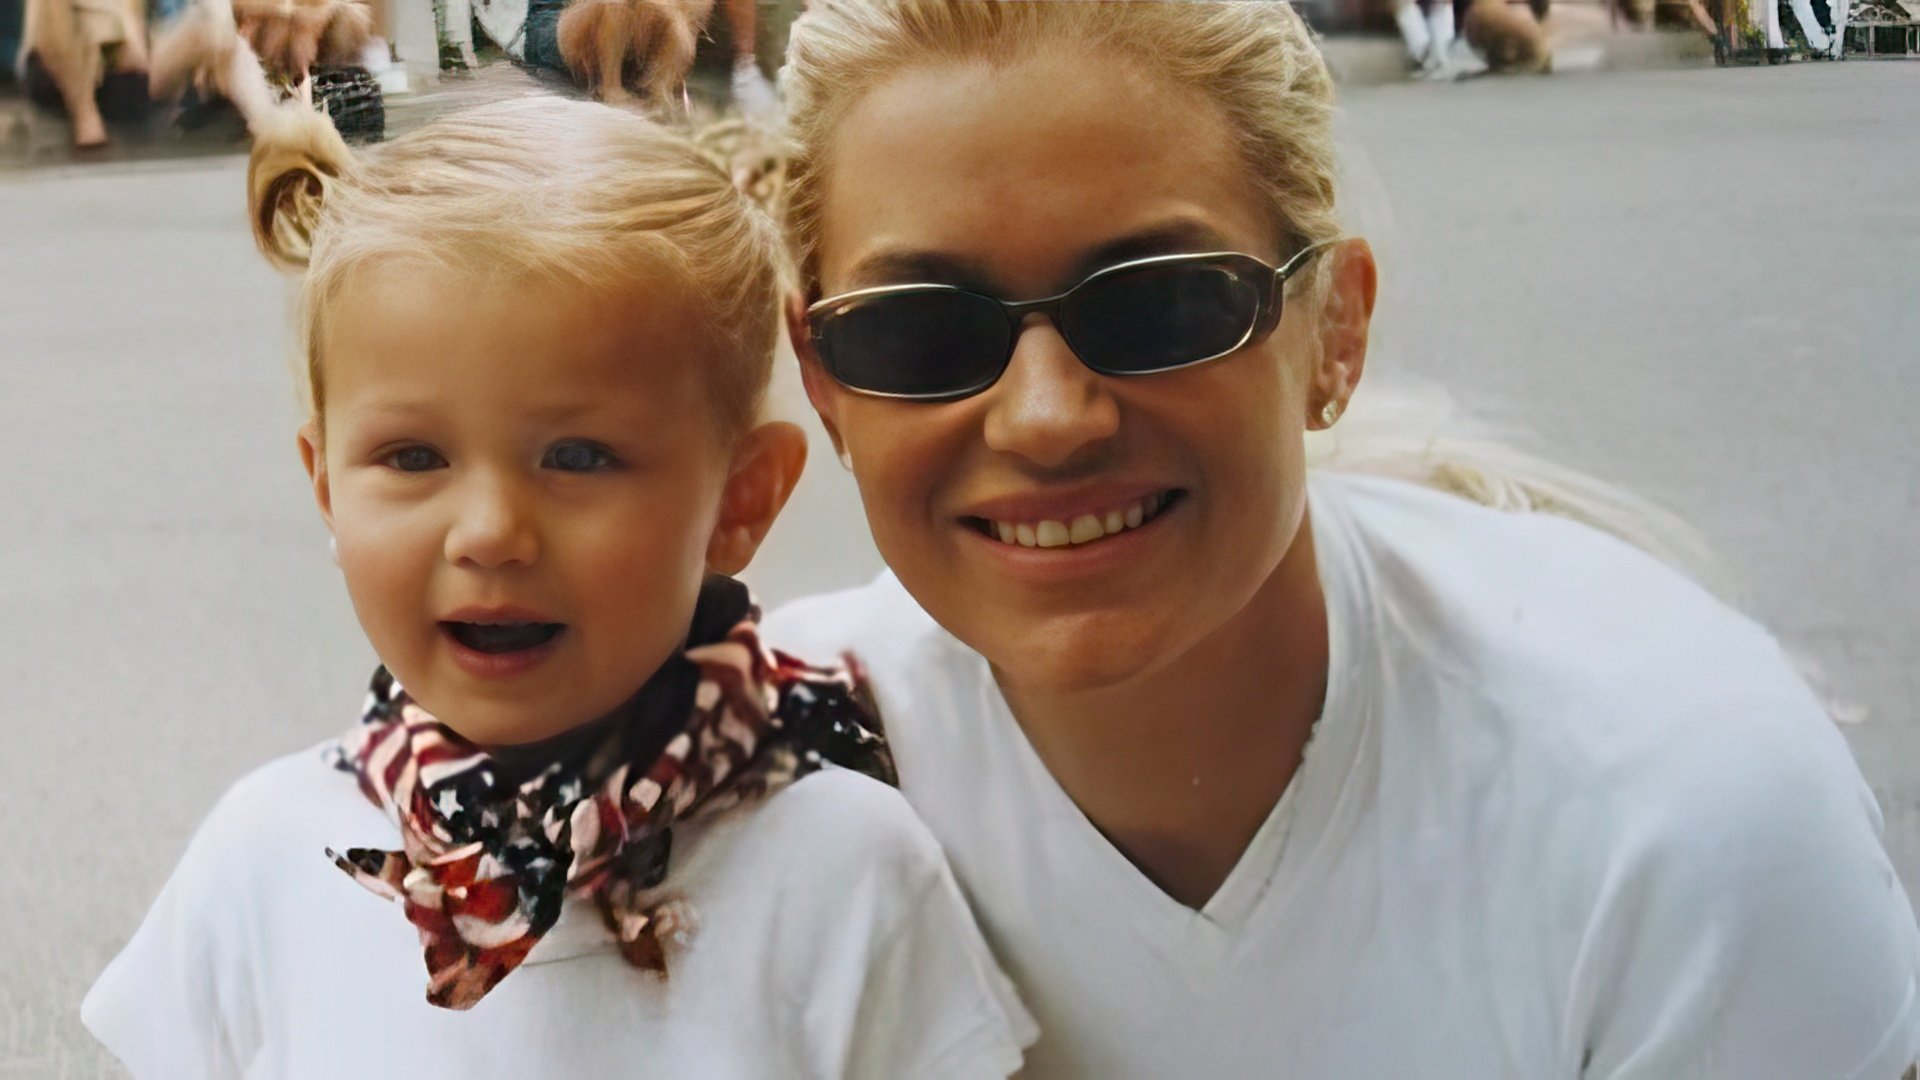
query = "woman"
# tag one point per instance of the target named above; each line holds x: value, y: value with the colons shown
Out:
x: 1248, y: 773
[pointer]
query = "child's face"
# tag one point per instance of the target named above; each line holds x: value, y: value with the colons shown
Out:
x: 526, y: 486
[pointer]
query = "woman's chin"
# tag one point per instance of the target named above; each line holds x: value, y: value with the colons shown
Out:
x: 1079, y: 654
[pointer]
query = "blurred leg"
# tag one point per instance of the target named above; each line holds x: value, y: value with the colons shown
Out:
x: 752, y: 93
x: 744, y: 21
x: 1770, y: 22
x: 1701, y: 19
x: 1810, y: 26
x: 72, y: 62
x: 1440, y: 26
x: 1413, y: 31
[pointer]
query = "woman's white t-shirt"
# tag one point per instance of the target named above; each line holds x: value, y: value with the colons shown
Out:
x: 1564, y: 816
x: 831, y: 942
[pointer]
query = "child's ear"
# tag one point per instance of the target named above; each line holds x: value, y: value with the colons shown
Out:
x: 812, y: 374
x: 766, y: 466
x: 315, y: 461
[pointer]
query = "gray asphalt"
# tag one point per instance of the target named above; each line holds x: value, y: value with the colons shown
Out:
x: 1701, y: 284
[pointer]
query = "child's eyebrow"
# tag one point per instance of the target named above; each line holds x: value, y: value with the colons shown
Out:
x: 397, y: 410
x: 573, y: 410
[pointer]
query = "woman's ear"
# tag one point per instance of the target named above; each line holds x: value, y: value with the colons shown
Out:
x: 766, y: 466
x: 1345, y: 318
x: 813, y: 376
x: 315, y: 460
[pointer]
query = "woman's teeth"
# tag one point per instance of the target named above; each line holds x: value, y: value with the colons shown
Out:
x: 1081, y: 530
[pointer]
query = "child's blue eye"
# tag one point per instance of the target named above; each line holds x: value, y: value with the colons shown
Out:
x: 415, y: 459
x: 576, y: 455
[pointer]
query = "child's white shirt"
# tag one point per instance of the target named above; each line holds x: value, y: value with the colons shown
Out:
x: 831, y: 942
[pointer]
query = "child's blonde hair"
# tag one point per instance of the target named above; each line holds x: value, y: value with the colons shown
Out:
x: 534, y: 187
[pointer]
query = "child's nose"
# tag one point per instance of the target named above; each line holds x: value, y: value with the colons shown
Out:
x: 493, y: 526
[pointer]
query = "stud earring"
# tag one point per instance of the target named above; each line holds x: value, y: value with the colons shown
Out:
x: 846, y: 458
x: 333, y: 549
x: 1330, y: 412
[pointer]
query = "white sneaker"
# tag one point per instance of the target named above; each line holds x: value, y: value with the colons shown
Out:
x: 1465, y: 62
x: 1434, y: 68
x: 376, y: 55
x: 755, y: 96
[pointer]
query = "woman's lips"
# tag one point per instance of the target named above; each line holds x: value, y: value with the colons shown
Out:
x: 1077, y: 529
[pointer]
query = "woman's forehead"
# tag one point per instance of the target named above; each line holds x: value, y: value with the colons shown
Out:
x: 1029, y: 167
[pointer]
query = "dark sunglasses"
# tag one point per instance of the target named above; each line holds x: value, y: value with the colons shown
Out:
x: 1141, y: 317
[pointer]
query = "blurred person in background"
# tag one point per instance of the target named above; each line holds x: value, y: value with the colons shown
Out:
x: 1434, y: 50
x: 12, y: 15
x: 88, y: 59
x: 1829, y: 44
x: 643, y: 49
x: 1424, y: 761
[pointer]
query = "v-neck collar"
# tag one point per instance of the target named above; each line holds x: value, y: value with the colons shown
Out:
x: 1303, y: 828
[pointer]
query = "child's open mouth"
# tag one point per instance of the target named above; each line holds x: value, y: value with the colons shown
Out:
x: 501, y: 638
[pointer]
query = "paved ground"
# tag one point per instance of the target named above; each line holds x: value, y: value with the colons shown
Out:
x: 1699, y: 283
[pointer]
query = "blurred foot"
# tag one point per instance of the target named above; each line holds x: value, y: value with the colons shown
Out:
x: 89, y: 131
x: 754, y: 94
x: 376, y: 55
x: 1465, y: 62
x: 1458, y: 61
x: 1433, y: 68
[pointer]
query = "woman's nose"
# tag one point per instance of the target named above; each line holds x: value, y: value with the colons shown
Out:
x: 493, y: 526
x: 1048, y: 407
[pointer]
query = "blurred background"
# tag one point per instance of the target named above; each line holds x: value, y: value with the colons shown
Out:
x: 1687, y: 260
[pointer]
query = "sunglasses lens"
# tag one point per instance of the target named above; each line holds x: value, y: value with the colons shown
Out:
x: 1153, y: 317
x: 929, y: 344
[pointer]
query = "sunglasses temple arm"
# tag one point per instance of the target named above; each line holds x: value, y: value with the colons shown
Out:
x: 1299, y: 260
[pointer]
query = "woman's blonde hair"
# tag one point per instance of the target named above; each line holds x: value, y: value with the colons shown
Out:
x: 536, y: 187
x: 1259, y: 64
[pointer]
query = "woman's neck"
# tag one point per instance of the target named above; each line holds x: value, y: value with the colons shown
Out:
x: 1180, y: 767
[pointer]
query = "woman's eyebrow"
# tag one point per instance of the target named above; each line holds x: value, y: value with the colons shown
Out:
x: 1177, y: 236
x: 909, y: 267
x: 914, y: 267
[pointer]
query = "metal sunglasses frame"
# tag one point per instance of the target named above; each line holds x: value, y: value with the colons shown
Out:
x: 820, y: 314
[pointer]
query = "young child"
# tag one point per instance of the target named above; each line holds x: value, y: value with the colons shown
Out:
x: 536, y: 335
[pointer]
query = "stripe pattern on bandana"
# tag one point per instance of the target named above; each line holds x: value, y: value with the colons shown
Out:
x: 485, y: 864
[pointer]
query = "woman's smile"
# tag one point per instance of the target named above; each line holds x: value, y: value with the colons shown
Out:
x: 1073, y: 526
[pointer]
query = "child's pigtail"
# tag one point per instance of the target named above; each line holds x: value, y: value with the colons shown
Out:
x: 297, y: 154
x: 297, y: 158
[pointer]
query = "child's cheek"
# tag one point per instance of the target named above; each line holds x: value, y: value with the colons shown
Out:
x: 389, y: 562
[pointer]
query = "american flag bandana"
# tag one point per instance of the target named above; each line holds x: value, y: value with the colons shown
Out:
x: 485, y: 865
